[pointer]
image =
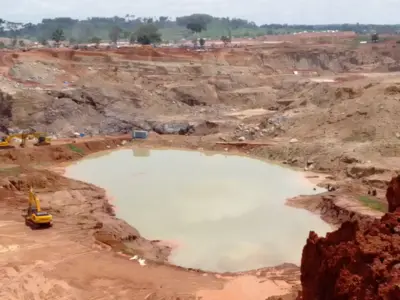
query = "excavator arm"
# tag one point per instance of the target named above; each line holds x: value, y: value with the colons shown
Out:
x: 34, y: 202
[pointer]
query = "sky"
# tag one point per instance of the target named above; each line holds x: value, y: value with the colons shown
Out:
x: 259, y: 11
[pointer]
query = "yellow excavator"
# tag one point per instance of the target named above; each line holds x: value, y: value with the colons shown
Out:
x: 42, y: 139
x: 5, y: 142
x: 35, y: 217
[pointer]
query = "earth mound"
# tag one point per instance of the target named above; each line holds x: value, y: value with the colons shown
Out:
x: 355, y: 261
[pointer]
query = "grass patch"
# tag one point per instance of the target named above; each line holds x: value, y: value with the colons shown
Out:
x: 76, y: 149
x: 372, y: 203
x: 10, y: 171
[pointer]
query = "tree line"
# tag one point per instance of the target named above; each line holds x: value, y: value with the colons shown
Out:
x: 154, y: 29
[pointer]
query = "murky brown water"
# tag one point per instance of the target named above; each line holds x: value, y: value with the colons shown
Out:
x: 226, y: 213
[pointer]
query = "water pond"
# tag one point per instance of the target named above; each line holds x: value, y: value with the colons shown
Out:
x: 225, y: 212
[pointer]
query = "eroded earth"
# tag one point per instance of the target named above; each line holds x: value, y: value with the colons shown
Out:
x: 330, y: 110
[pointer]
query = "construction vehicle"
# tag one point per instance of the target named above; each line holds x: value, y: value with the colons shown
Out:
x: 5, y: 142
x: 35, y: 217
x: 42, y: 139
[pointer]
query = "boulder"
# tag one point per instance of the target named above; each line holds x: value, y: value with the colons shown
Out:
x: 181, y: 128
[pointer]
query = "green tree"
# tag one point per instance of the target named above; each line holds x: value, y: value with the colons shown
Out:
x: 21, y: 43
x: 125, y: 34
x: 2, y: 26
x: 226, y: 40
x: 196, y: 27
x: 195, y: 23
x: 163, y: 19
x: 114, y: 34
x: 82, y: 30
x: 2, y: 45
x: 202, y: 42
x: 374, y: 37
x: 43, y: 42
x: 58, y: 36
x: 95, y: 40
x: 147, y: 34
x: 13, y: 28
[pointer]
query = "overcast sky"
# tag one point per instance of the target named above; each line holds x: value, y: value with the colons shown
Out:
x: 259, y: 11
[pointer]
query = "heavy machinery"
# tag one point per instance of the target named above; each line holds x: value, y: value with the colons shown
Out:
x: 35, y: 217
x: 10, y: 141
x: 42, y: 138
x: 5, y: 142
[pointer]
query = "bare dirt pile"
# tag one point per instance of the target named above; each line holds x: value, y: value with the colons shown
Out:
x: 336, y: 112
x: 354, y: 262
x: 337, y: 125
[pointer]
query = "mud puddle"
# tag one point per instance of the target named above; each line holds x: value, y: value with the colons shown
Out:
x: 223, y: 213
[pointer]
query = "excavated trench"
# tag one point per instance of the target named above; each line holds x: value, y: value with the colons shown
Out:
x: 222, y: 213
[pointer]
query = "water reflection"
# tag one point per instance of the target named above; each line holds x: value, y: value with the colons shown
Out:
x: 141, y: 152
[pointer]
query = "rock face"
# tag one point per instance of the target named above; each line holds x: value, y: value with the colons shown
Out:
x: 354, y: 262
x: 393, y: 194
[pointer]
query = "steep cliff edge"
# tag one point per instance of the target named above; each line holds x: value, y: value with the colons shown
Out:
x: 393, y: 195
x: 354, y: 262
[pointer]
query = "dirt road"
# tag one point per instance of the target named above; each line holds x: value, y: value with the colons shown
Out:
x: 59, y: 264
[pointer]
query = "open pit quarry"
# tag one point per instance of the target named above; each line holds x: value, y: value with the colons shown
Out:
x: 328, y: 112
